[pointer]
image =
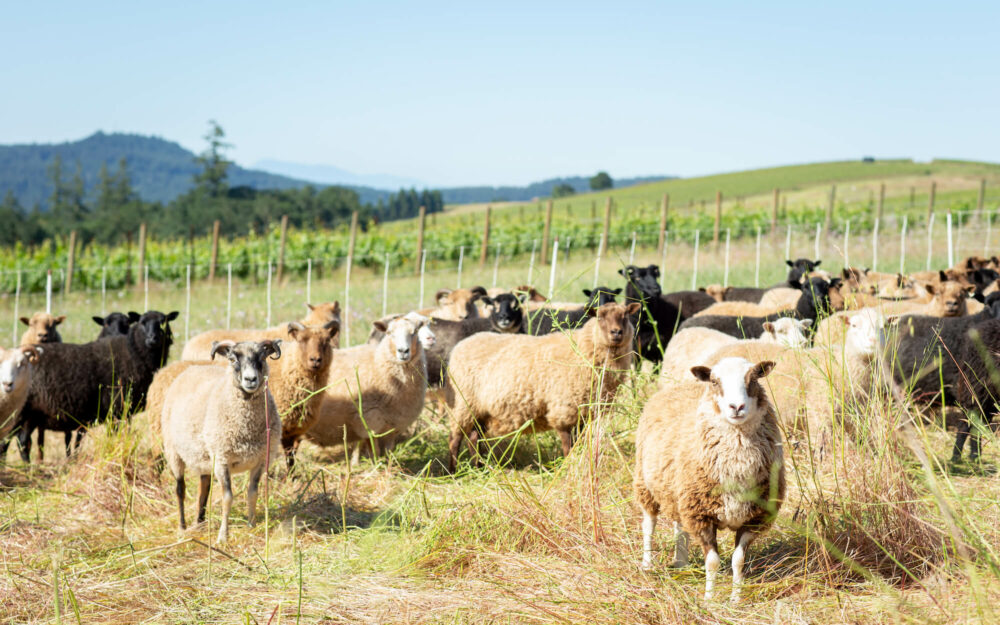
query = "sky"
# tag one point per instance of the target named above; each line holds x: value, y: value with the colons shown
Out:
x: 464, y: 93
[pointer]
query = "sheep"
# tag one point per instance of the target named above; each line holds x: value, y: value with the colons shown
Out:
x: 456, y: 304
x: 814, y: 301
x: 374, y: 392
x: 220, y: 422
x: 199, y: 346
x: 115, y: 324
x: 949, y: 298
x: 499, y: 383
x: 744, y: 309
x: 41, y: 329
x: 73, y: 386
x: 547, y: 320
x: 780, y: 298
x: 733, y: 293
x: 972, y: 263
x: 688, y: 303
x: 709, y: 456
x: 658, y: 319
x: 798, y: 269
x: 977, y: 390
x: 16, y: 366
x: 697, y: 344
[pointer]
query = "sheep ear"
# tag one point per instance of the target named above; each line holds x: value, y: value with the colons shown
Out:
x: 653, y: 269
x: 632, y: 308
x: 769, y: 328
x: 98, y: 320
x: 930, y: 289
x: 59, y: 319
x: 761, y: 369
x: 970, y: 290
x: 310, y: 306
x: 380, y: 326
x: 617, y: 291
x: 942, y: 276
x: 223, y: 348
x: 522, y: 296
x: 172, y: 315
x: 588, y: 292
x: 133, y: 317
x: 486, y: 300
x: 294, y: 327
x: 703, y: 374
x: 479, y: 291
x: 847, y: 274
x: 271, y: 349
x: 26, y: 321
x: 333, y: 326
x: 815, y: 264
x: 789, y: 263
x: 621, y: 272
x: 835, y: 283
x: 441, y: 294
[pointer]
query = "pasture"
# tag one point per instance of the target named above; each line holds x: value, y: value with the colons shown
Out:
x: 876, y: 533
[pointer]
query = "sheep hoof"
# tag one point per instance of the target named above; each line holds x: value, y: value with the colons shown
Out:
x: 734, y: 598
x: 646, y: 567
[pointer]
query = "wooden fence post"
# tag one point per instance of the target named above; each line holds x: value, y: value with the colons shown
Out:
x: 421, y: 223
x: 664, y: 207
x: 142, y: 252
x: 546, y: 231
x: 70, y: 260
x: 829, y: 209
x: 718, y: 218
x: 774, y: 211
x: 607, y: 228
x: 281, y: 247
x: 881, y: 201
x: 485, y: 250
x: 930, y: 200
x: 215, y: 250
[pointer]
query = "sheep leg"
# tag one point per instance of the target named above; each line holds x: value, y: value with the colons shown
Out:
x: 681, y: 547
x: 454, y: 443
x: 960, y: 436
x: 181, y: 490
x: 710, y: 545
x: 566, y: 438
x: 68, y: 441
x: 24, y: 442
x: 4, y: 445
x: 648, y: 527
x: 252, y: 494
x: 356, y: 453
x: 225, y: 483
x: 474, y: 448
x: 204, y: 489
x: 743, y: 539
x: 79, y: 439
x: 41, y: 444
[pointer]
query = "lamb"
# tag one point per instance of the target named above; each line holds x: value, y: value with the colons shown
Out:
x: 547, y: 320
x: 73, y: 386
x: 41, y: 329
x: 733, y: 293
x: 115, y: 324
x: 456, y: 304
x: 387, y: 382
x: 709, y: 456
x: 220, y: 422
x: 16, y: 366
x: 698, y: 344
x: 814, y: 301
x: 948, y: 299
x: 499, y: 383
x: 658, y: 319
x: 200, y: 345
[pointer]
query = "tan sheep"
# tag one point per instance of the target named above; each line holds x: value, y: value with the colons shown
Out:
x: 15, y: 381
x: 780, y: 298
x: 41, y: 329
x: 498, y: 383
x: 387, y: 381
x: 709, y: 456
x: 219, y: 421
x: 455, y: 304
x: 199, y: 346
x: 744, y: 309
x: 949, y: 298
x: 716, y: 291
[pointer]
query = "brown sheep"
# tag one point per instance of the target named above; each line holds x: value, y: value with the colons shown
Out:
x: 41, y: 329
x: 455, y: 304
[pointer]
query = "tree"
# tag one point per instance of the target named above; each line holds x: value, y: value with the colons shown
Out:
x: 562, y: 190
x: 601, y: 181
x: 211, y: 180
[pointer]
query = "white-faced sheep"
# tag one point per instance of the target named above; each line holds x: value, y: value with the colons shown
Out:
x: 219, y: 421
x: 15, y: 380
x: 709, y: 456
x: 41, y: 329
x: 199, y: 346
x: 374, y: 392
x: 498, y: 383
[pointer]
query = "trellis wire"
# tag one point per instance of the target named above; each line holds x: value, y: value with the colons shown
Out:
x: 552, y: 271
x: 694, y: 272
x: 423, y: 268
x: 756, y: 273
x: 725, y: 275
x: 461, y: 259
x: 229, y: 295
x: 930, y: 241
x: 385, y: 286
x: 875, y: 246
x: 187, y: 307
x: 902, y: 247
x: 951, y: 247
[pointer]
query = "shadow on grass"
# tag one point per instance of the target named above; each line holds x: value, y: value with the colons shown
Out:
x: 324, y: 514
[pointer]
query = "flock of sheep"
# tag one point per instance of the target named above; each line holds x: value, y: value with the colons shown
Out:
x: 739, y: 369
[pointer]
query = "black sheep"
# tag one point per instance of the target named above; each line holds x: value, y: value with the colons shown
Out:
x: 739, y: 294
x: 813, y: 303
x: 982, y: 278
x: 548, y: 320
x: 657, y: 320
x: 797, y: 269
x: 688, y: 303
x: 76, y: 385
x: 977, y: 391
x: 115, y: 324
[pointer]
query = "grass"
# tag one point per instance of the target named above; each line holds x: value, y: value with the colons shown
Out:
x: 880, y: 528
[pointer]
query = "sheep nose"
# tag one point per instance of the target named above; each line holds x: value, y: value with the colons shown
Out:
x: 403, y: 354
x: 738, y: 409
x: 315, y: 361
x: 7, y: 388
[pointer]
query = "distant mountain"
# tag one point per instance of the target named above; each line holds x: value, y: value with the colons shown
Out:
x: 466, y: 195
x: 329, y: 174
x: 160, y: 169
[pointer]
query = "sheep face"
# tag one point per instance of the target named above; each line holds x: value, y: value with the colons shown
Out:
x: 734, y: 390
x: 799, y: 270
x: 249, y: 361
x: 154, y: 328
x: 116, y: 323
x: 644, y: 279
x: 949, y: 298
x: 507, y: 315
x: 460, y: 303
x: 863, y: 330
x: 818, y: 290
x: 600, y: 296
x: 44, y: 326
x: 529, y: 292
x: 614, y: 323
x: 716, y: 291
x: 788, y: 331
x: 15, y: 364
x: 402, y: 335
x: 314, y: 344
x: 321, y: 314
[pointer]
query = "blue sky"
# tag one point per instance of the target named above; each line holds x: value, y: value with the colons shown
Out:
x: 474, y: 93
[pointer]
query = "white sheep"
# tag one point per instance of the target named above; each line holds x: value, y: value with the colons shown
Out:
x: 374, y: 392
x: 219, y: 421
x: 15, y: 381
x: 709, y: 456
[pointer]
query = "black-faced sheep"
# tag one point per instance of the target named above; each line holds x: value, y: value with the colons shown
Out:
x: 498, y: 383
x: 799, y: 269
x: 548, y: 320
x: 115, y: 324
x: 733, y: 293
x: 219, y: 421
x: 657, y: 318
x: 709, y: 456
x: 977, y: 390
x: 688, y: 303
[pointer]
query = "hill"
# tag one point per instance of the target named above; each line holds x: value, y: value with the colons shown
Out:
x: 466, y: 195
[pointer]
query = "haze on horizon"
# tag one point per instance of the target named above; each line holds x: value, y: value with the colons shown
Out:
x: 461, y: 94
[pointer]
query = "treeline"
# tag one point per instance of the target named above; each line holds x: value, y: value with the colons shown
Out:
x: 111, y: 209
